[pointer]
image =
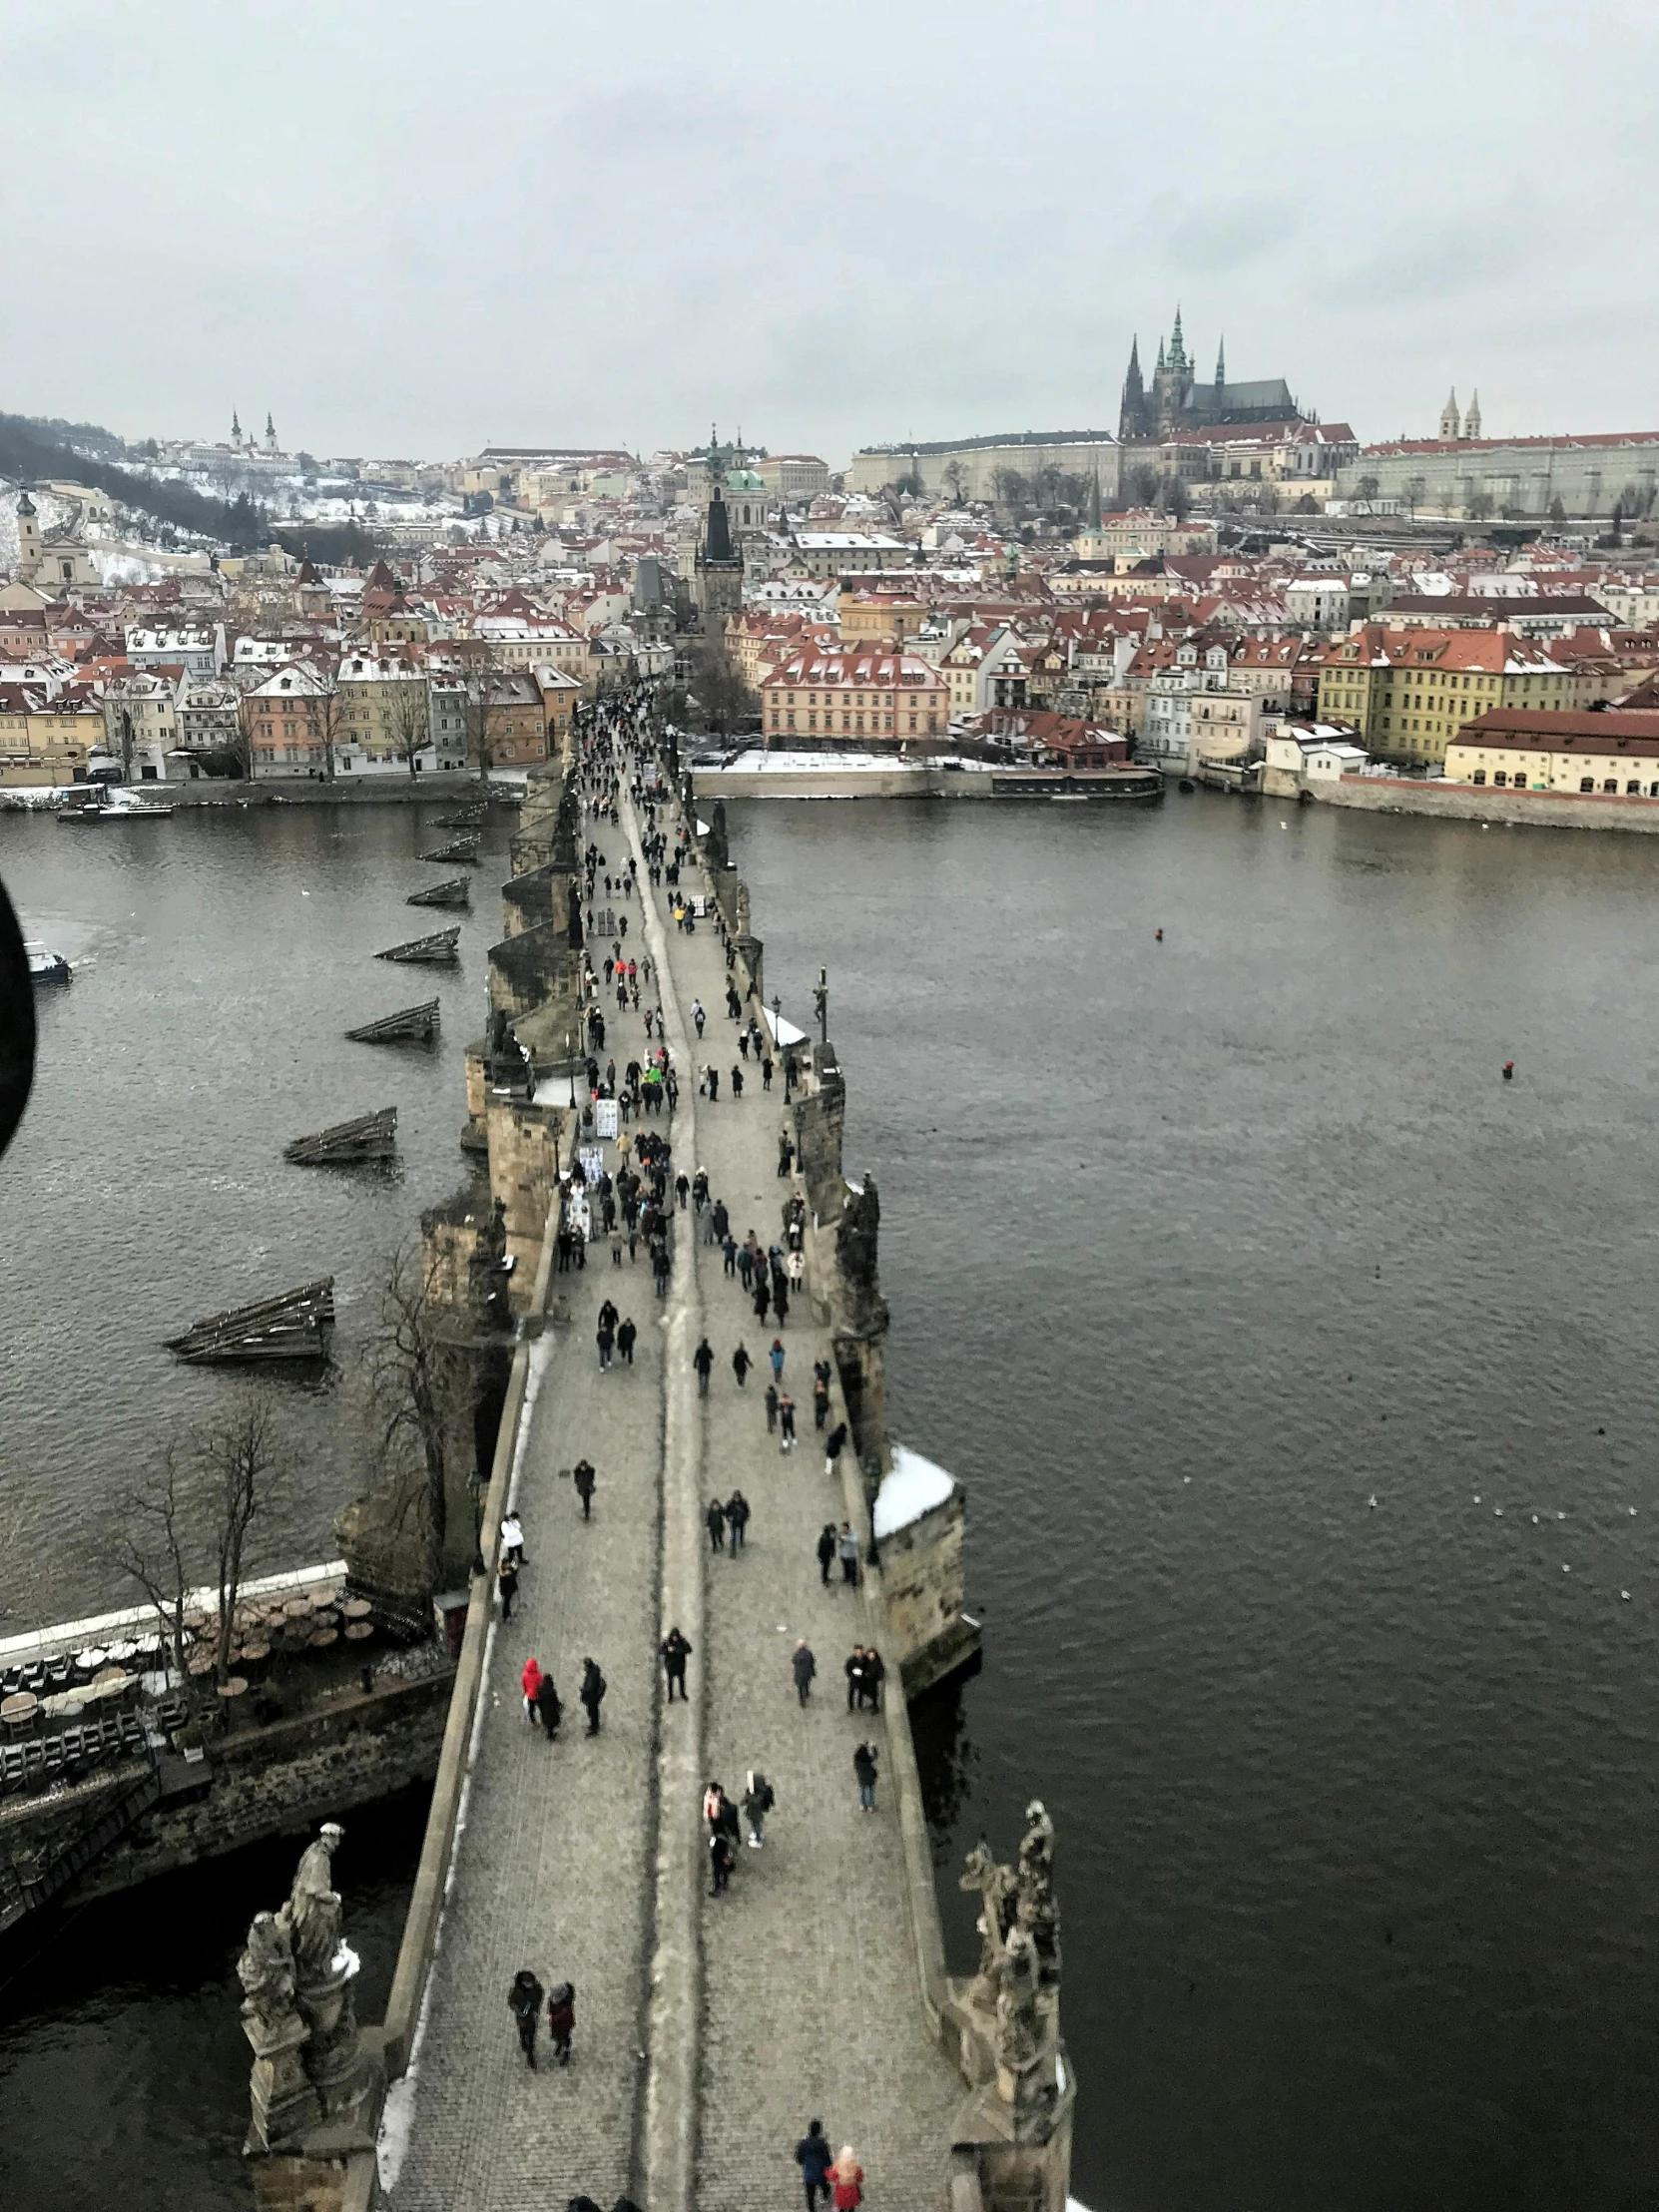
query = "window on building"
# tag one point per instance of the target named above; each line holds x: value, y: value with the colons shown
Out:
x: 1586, y: 782
x: 1611, y: 783
x: 1480, y: 776
x: 1500, y: 777
x: 1633, y: 791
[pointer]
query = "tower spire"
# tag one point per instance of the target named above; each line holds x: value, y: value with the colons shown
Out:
x: 1448, y: 416
x: 1177, y: 345
x: 1471, y: 421
x: 1221, y: 363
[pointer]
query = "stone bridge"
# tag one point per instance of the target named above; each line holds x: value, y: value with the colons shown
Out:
x: 709, y: 2029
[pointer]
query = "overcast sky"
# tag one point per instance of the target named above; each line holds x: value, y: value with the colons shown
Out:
x: 411, y: 229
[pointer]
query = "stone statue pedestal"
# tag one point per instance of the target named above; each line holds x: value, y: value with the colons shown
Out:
x: 335, y: 2061
x: 284, y: 2104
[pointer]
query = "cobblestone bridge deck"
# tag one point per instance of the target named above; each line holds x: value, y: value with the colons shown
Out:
x: 709, y: 2030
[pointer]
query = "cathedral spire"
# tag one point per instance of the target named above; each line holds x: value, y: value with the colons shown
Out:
x: 1160, y: 353
x: 1176, y: 346
x: 1221, y: 363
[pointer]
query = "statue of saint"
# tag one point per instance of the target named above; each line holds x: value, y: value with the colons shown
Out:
x: 995, y: 1885
x: 1019, y: 2039
x: 858, y: 1233
x: 312, y: 1916
x: 265, y: 1971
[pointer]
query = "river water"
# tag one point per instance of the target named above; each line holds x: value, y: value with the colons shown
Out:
x: 1194, y: 1250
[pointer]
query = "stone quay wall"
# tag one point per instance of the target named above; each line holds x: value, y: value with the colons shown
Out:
x: 280, y: 1779
x: 1386, y: 795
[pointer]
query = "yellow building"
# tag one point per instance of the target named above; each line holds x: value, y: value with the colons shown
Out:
x: 1408, y: 692
x: 1611, y: 756
x: 381, y: 716
x: 45, y: 743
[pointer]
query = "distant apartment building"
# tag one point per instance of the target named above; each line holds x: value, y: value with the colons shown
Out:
x: 980, y: 468
x: 1467, y: 477
x: 286, y: 721
x: 854, y: 697
x: 821, y: 554
x: 792, y: 476
x: 1406, y: 693
x: 45, y: 742
x: 1613, y: 755
x: 199, y: 651
x: 381, y: 713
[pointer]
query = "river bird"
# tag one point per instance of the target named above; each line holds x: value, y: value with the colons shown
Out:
x: 1372, y: 1502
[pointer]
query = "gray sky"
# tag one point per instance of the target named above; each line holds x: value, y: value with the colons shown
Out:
x: 409, y: 228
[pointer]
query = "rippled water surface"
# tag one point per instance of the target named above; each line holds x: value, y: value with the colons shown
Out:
x: 220, y: 957
x: 1194, y: 1248
x: 123, y: 2065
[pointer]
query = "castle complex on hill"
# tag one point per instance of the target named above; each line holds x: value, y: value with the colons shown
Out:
x: 1177, y: 401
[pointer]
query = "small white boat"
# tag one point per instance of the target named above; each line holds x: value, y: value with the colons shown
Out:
x: 46, y: 966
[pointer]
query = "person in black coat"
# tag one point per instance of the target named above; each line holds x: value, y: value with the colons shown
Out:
x: 826, y: 1552
x: 815, y: 2158
x: 592, y: 1693
x: 548, y: 1709
x: 583, y: 1477
x: 737, y: 1520
x: 722, y: 1859
x: 715, y: 1522
x: 875, y: 1673
x: 864, y: 1768
x: 855, y: 1677
x: 561, y: 2019
x: 525, y: 1997
x: 675, y: 1652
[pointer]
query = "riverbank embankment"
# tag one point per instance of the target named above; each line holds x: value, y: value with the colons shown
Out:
x: 1383, y: 794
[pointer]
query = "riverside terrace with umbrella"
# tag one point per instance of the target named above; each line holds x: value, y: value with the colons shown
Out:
x: 98, y: 1729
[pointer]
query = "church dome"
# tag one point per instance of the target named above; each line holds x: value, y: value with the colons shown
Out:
x: 25, y: 505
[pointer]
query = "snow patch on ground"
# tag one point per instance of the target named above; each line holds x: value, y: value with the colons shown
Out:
x: 914, y: 1486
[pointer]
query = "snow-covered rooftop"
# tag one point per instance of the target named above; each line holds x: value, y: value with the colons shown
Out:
x: 913, y: 1487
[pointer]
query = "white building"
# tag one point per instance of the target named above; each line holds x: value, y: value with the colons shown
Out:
x: 201, y: 652
x: 1318, y: 603
x: 823, y: 553
x: 1317, y: 752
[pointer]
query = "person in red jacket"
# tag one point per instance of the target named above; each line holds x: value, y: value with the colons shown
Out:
x: 530, y: 1682
x: 847, y: 2178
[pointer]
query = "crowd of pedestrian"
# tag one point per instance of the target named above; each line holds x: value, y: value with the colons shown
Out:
x: 642, y: 1204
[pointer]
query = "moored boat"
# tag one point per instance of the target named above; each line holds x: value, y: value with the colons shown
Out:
x: 45, y: 966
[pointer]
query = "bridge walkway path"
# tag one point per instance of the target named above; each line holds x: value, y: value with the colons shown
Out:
x: 810, y: 2006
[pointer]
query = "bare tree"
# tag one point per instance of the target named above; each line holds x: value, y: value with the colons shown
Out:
x: 326, y: 713
x: 240, y: 1459
x: 410, y: 721
x: 953, y: 480
x: 720, y: 689
x: 149, y: 1542
x: 486, y: 684
x: 415, y: 1390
